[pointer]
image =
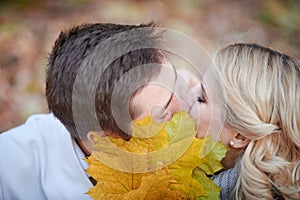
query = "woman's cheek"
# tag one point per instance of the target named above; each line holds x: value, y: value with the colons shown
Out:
x: 201, y: 113
x: 195, y: 112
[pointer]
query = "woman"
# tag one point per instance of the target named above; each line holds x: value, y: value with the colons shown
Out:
x: 255, y: 92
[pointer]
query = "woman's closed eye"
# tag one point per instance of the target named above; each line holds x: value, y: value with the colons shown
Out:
x: 201, y: 99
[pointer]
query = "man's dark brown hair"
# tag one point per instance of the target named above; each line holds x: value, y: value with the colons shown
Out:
x: 90, y: 60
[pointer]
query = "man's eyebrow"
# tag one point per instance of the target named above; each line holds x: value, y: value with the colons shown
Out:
x: 168, y: 103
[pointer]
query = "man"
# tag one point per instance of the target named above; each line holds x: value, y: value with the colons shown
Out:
x: 100, y: 77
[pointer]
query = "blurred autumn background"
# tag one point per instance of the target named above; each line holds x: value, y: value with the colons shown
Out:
x: 28, y: 29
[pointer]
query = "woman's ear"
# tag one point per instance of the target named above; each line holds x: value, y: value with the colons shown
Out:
x: 239, y: 141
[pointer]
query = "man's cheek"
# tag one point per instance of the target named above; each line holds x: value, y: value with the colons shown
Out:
x: 175, y: 106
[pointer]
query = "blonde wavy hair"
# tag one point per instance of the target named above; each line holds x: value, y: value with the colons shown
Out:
x: 262, y: 103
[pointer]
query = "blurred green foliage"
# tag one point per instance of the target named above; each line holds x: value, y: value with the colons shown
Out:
x: 283, y: 18
x: 282, y: 13
x: 24, y: 4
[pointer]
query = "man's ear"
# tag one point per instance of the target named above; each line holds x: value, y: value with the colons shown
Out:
x: 239, y: 141
x: 91, y: 136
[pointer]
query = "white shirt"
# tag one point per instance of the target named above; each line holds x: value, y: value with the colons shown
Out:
x: 40, y: 160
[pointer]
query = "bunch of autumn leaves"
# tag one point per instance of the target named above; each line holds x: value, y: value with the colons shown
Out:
x: 161, y: 161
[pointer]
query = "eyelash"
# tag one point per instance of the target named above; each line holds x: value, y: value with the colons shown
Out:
x: 201, y: 99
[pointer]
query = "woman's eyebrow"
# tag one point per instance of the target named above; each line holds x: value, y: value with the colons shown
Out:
x: 203, y: 91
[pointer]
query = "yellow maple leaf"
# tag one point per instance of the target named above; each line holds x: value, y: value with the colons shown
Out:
x: 190, y: 170
x: 111, y: 183
x: 155, y: 186
x: 117, y: 185
x: 143, y: 154
x: 147, y: 136
x: 161, y: 161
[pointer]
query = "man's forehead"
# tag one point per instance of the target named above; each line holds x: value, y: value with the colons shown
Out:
x: 167, y: 76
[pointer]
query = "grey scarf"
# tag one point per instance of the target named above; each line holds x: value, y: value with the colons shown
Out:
x: 226, y: 180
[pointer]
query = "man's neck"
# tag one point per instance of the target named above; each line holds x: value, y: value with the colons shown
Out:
x: 83, y: 148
